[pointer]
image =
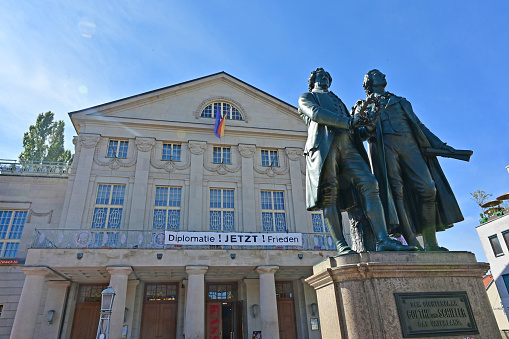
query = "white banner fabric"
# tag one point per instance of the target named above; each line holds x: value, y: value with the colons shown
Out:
x: 232, y: 239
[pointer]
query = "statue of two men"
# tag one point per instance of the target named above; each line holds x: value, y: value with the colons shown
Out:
x: 408, y: 192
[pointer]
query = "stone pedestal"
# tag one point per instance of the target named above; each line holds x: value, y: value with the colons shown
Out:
x: 357, y: 295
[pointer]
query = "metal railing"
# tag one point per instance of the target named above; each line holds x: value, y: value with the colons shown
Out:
x: 41, y: 168
x: 129, y: 239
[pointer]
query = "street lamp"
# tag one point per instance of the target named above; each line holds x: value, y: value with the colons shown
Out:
x: 107, y: 296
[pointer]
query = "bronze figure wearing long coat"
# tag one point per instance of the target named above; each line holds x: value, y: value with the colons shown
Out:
x: 321, y: 119
x: 447, y: 208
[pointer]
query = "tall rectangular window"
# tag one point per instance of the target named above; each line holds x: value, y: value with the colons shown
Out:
x: 322, y: 240
x: 273, y: 211
x: 171, y: 152
x: 221, y: 155
x: 117, y: 149
x: 222, y: 209
x: 495, y: 245
x: 167, y: 208
x: 11, y: 228
x: 108, y: 206
x: 269, y: 158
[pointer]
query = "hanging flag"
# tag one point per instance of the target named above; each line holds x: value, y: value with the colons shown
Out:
x: 219, y: 128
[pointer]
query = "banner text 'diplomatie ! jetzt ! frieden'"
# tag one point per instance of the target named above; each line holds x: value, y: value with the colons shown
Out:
x: 233, y: 239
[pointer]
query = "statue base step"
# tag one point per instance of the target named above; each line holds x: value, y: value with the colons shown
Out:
x: 390, y: 295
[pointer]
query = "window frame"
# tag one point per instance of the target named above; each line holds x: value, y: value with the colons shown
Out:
x: 117, y: 150
x: 490, y: 238
x: 172, y: 147
x: 222, y: 209
x: 269, y: 162
x: 112, y: 233
x: 222, y: 150
x: 273, y: 211
x: 321, y: 235
x: 167, y: 207
x: 223, y: 110
x: 13, y: 228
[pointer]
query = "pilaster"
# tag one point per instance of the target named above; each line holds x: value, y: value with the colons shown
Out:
x: 78, y: 194
x: 247, y: 153
x: 29, y: 302
x: 299, y: 203
x: 140, y: 187
x: 197, y: 149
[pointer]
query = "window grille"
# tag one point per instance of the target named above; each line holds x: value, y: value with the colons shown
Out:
x: 222, y: 210
x: 322, y: 240
x: 167, y: 208
x: 108, y: 213
x: 221, y: 291
x: 273, y: 211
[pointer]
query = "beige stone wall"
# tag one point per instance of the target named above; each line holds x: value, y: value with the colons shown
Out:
x: 42, y: 197
x: 11, y: 284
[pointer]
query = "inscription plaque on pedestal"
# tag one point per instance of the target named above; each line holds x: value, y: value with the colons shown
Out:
x: 435, y: 314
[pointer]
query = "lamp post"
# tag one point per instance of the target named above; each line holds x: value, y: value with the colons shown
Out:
x: 107, y: 296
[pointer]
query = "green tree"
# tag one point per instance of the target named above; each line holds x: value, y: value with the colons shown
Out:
x: 44, y: 141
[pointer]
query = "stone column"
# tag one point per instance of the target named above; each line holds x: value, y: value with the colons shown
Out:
x: 194, y: 324
x: 299, y: 203
x: 29, y: 301
x: 197, y: 149
x: 118, y: 282
x: 268, y: 302
x: 55, y: 300
x: 129, y: 304
x: 248, y: 191
x: 140, y: 188
x: 77, y: 195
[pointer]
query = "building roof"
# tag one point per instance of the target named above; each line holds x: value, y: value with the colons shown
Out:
x: 487, y: 279
x: 180, y: 84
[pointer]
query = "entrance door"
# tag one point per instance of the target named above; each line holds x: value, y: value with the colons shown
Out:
x: 223, y: 312
x: 159, y: 317
x: 224, y: 320
x: 286, y: 310
x: 88, y: 308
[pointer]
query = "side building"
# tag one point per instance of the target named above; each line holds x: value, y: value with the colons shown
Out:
x: 494, y: 236
x: 151, y: 163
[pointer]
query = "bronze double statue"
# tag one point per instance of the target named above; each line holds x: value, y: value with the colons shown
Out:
x: 407, y: 193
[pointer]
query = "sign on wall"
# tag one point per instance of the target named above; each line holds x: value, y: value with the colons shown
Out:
x: 233, y: 239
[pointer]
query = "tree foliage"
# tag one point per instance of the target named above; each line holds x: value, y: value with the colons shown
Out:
x: 44, y: 141
x: 481, y: 197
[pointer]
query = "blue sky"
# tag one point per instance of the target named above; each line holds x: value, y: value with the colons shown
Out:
x: 449, y: 58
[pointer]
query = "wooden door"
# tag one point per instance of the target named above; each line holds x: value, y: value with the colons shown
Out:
x: 159, y: 321
x: 286, y: 318
x: 86, y: 320
x: 159, y: 316
x: 88, y: 309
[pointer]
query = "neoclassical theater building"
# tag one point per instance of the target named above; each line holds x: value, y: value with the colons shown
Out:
x: 146, y: 165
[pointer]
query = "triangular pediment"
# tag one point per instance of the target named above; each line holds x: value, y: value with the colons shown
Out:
x: 182, y: 104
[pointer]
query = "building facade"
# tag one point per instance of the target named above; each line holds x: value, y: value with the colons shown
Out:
x: 148, y: 164
x: 494, y: 236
